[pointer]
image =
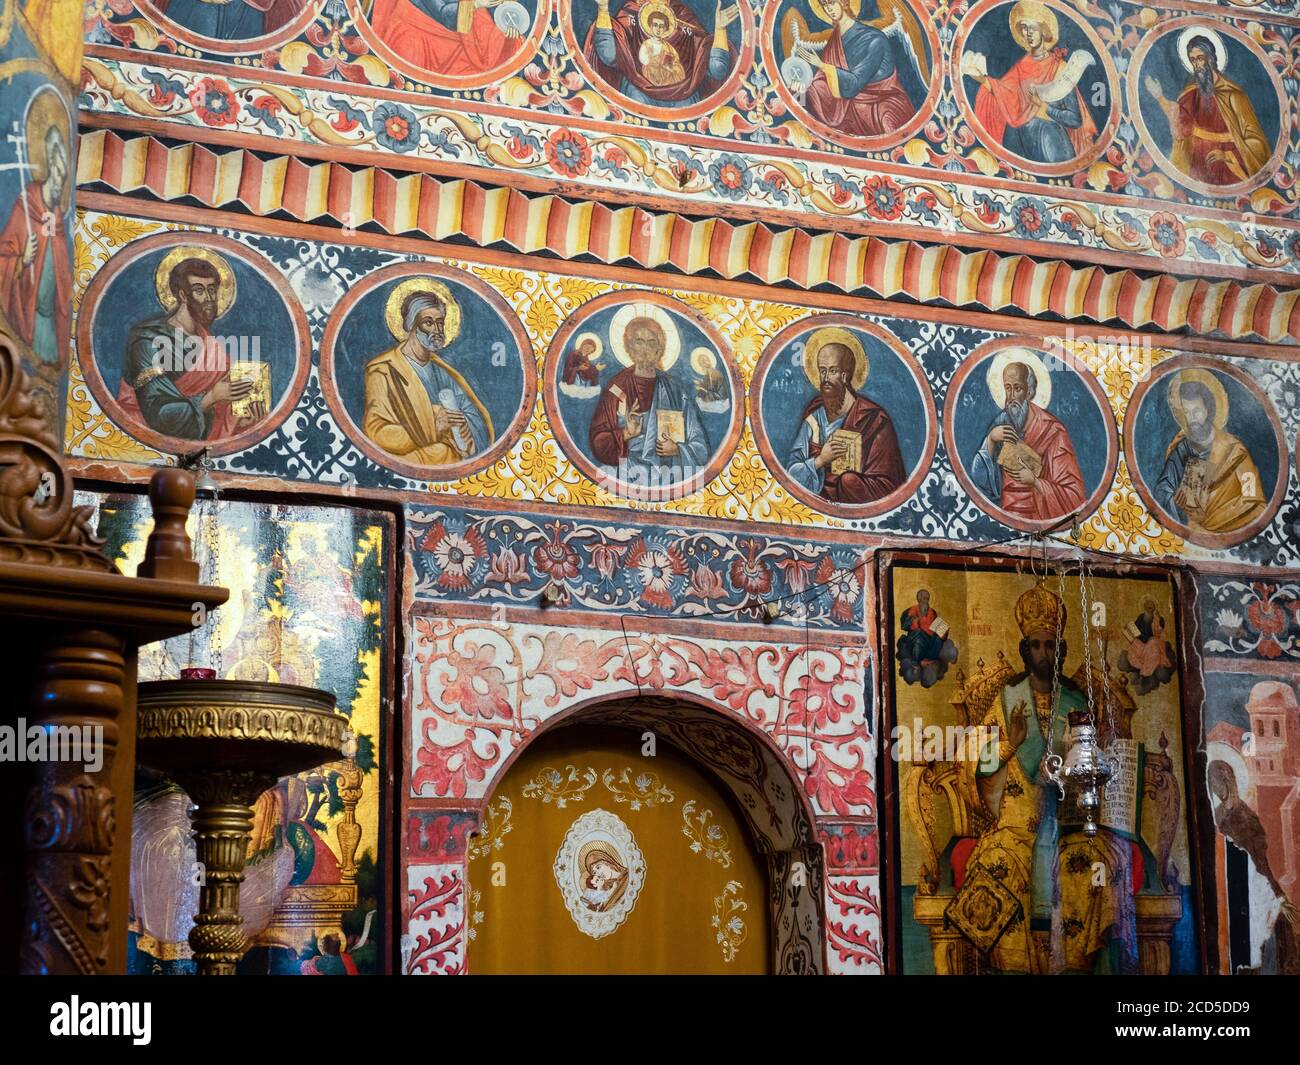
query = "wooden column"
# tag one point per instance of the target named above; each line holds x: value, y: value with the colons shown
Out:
x: 74, y: 626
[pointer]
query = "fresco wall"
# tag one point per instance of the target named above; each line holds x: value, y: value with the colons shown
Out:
x: 40, y: 59
x: 723, y: 300
x: 919, y: 114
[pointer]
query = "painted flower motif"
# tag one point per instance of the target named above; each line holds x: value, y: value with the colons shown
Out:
x: 1167, y: 234
x: 1293, y: 248
x: 1229, y: 622
x: 214, y: 103
x: 395, y: 127
x: 707, y: 583
x: 844, y: 585
x: 750, y: 573
x: 657, y: 568
x: 797, y: 573
x: 569, y: 153
x: 1028, y: 217
x: 1267, y: 617
x: 508, y: 567
x: 884, y: 198
x: 556, y: 558
x: 606, y: 558
x: 455, y: 554
x: 731, y: 176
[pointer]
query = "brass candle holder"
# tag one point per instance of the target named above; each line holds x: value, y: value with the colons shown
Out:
x: 225, y: 742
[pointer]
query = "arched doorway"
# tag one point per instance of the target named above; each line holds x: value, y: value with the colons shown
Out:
x: 564, y: 875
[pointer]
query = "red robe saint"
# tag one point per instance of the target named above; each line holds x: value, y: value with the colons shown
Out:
x: 1217, y: 138
x: 1007, y: 101
x: 878, y: 107
x: 1059, y: 489
x: 882, y: 462
x: 19, y: 284
x: 196, y: 382
x: 426, y: 42
x: 628, y: 390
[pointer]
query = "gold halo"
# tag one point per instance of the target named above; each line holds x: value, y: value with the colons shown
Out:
x: 624, y: 316
x: 703, y: 360
x: 225, y: 276
x: 1211, y: 382
x: 1038, y: 13
x: 656, y: 7
x: 1220, y: 52
x: 393, y: 306
x: 582, y: 337
x: 834, y: 334
x: 45, y: 109
x: 993, y: 376
x: 854, y: 7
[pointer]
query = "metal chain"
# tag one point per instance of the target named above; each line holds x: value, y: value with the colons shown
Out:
x: 1085, y: 624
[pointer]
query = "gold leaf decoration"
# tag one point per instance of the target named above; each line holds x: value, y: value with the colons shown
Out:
x: 560, y: 787
x: 496, y: 826
x: 706, y: 838
x: 728, y: 920
x: 644, y: 789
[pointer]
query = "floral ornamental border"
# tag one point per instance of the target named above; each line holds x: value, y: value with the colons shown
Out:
x: 633, y: 163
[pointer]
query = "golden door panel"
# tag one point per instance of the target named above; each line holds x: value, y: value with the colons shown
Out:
x: 594, y: 858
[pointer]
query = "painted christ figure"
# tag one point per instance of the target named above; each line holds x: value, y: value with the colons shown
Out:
x: 1014, y: 108
x: 646, y: 424
x: 417, y: 406
x: 1217, y: 138
x: 456, y: 38
x: 658, y: 52
x: 837, y: 414
x: 35, y: 268
x: 1027, y: 464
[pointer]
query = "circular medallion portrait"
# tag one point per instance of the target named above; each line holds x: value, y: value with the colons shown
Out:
x: 1036, y: 84
x: 844, y: 416
x: 859, y: 72
x: 1030, y: 434
x: 1208, y: 105
x: 232, y: 26
x: 193, y: 341
x: 642, y: 396
x: 428, y: 371
x: 1206, y: 451
x: 454, y: 44
x: 666, y: 59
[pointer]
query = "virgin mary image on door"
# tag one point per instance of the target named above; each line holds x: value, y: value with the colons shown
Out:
x: 1035, y: 109
x: 418, y: 406
x: 605, y: 877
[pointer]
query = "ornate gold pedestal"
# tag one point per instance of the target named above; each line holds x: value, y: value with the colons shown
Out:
x: 225, y: 742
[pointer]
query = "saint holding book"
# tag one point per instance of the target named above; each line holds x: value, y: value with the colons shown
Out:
x: 845, y: 448
x: 647, y: 423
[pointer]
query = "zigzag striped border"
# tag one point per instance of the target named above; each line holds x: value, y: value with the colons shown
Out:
x: 449, y: 209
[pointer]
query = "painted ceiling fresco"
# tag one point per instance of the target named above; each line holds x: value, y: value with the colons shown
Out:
x: 1074, y: 124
